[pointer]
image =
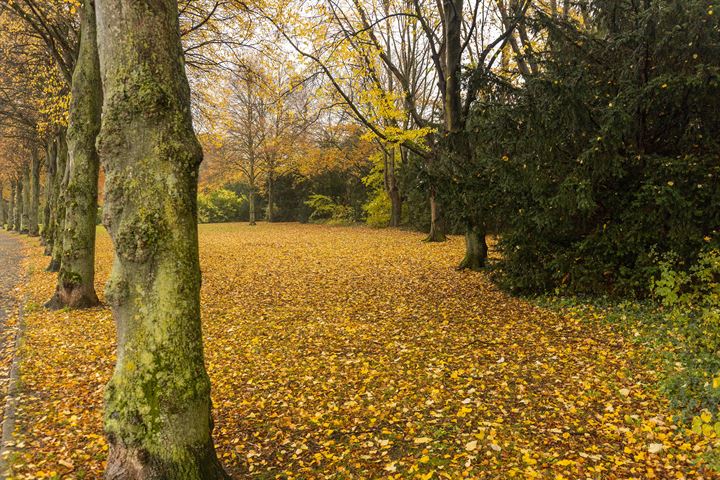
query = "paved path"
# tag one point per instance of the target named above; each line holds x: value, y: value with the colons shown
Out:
x: 10, y: 257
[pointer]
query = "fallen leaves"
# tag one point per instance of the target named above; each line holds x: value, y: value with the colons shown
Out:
x: 358, y: 353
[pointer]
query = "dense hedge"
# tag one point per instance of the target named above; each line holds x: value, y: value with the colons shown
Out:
x: 611, y: 155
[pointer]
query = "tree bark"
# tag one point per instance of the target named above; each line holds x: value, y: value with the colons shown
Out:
x: 437, y: 227
x: 457, y: 142
x: 395, y: 207
x: 34, y: 195
x: 391, y: 185
x: 11, y: 206
x: 17, y: 214
x: 61, y: 179
x: 270, y: 199
x: 158, y: 410
x: 251, y: 205
x: 50, y: 197
x: 24, y: 200
x: 476, y: 248
x: 76, y: 279
x: 2, y: 204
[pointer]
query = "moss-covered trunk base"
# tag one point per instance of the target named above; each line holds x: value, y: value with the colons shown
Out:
x: 126, y: 463
x: 54, y: 265
x: 72, y: 296
x: 476, y: 249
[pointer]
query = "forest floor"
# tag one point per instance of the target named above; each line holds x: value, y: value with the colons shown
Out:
x: 357, y: 353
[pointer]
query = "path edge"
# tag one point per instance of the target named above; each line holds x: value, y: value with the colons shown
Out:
x: 12, y: 395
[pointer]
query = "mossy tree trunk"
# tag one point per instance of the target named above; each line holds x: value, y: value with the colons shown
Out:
x: 50, y: 197
x: 17, y: 212
x: 24, y: 200
x: 476, y: 249
x: 34, y: 194
x: 76, y: 278
x: 60, y: 181
x: 2, y: 204
x: 11, y: 206
x: 158, y: 411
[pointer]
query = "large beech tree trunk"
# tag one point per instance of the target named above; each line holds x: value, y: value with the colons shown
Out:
x: 60, y: 181
x: 476, y: 249
x: 34, y: 194
x: 76, y: 278
x: 158, y: 411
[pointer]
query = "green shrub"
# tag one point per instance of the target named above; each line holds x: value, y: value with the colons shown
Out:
x: 378, y: 210
x: 326, y: 210
x: 219, y: 206
x: 691, y: 309
x: 587, y: 167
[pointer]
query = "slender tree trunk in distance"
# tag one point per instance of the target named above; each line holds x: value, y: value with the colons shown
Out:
x: 395, y: 207
x: 61, y: 178
x: 34, y: 219
x: 437, y: 227
x: 76, y: 279
x: 391, y: 186
x: 24, y: 200
x: 157, y: 405
x: 270, y: 199
x: 251, y: 204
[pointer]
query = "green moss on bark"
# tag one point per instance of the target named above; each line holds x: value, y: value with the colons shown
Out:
x: 157, y: 414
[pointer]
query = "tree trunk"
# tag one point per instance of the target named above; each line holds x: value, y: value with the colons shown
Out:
x: 270, y: 200
x: 17, y: 214
x: 61, y: 178
x: 11, y: 206
x: 395, y: 207
x: 476, y: 248
x: 24, y: 200
x: 76, y: 278
x: 437, y: 227
x: 251, y: 205
x: 157, y: 414
x: 34, y: 194
x: 2, y: 204
x: 50, y: 194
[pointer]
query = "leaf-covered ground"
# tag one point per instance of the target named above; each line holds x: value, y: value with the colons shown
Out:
x: 357, y: 353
